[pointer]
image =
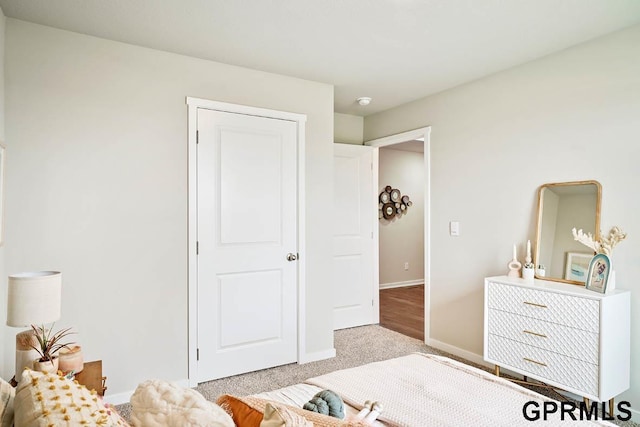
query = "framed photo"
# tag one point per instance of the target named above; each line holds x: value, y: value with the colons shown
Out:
x: 598, y: 273
x: 577, y: 266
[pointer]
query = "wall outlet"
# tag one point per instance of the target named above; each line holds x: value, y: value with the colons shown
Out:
x: 406, y: 266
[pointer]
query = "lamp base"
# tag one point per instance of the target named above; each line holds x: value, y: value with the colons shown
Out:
x: 25, y: 355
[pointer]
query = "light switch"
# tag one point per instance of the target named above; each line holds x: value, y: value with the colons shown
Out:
x: 454, y: 228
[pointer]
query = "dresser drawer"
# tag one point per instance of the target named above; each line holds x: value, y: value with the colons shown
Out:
x: 544, y: 365
x: 575, y: 343
x: 575, y: 312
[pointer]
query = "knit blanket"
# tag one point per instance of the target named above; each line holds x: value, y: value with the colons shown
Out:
x: 428, y: 390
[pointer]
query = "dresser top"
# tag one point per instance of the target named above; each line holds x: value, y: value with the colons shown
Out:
x: 548, y: 285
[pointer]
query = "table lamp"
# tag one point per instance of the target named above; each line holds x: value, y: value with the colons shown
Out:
x: 33, y: 299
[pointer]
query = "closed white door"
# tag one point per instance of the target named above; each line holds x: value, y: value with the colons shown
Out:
x: 247, y: 222
x: 355, y: 287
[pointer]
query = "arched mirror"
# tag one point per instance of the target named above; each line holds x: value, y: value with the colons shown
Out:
x: 562, y: 207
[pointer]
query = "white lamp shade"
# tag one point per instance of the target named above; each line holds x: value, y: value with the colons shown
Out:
x: 34, y: 298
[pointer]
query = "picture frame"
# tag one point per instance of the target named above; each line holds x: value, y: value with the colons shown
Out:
x: 598, y: 273
x: 577, y: 266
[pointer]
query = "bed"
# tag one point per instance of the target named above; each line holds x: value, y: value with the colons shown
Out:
x: 429, y: 390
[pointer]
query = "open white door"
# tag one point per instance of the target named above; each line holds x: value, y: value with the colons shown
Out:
x: 247, y: 240
x: 355, y: 215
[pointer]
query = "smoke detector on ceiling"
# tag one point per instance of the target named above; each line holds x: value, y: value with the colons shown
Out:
x: 364, y: 100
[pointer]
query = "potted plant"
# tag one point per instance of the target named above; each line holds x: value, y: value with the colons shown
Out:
x: 47, y: 344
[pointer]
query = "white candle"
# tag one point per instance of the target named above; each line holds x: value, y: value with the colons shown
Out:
x: 514, y: 252
x: 529, y: 249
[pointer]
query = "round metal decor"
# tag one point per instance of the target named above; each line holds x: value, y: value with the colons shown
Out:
x: 388, y: 211
x: 392, y: 204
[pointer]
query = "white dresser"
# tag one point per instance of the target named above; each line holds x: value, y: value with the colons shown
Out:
x: 563, y: 335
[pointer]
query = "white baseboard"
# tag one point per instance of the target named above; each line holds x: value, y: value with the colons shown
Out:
x: 635, y: 415
x: 457, y: 351
x: 318, y: 355
x: 401, y: 284
x: 125, y: 397
x: 118, y: 398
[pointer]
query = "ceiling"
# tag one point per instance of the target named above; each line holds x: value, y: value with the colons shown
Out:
x: 393, y: 51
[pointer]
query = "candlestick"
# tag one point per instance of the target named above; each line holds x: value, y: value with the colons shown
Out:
x: 514, y: 252
x: 528, y: 259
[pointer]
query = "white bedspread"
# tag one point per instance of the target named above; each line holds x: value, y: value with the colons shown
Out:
x: 427, y: 390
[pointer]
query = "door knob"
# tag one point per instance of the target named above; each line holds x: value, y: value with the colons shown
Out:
x: 292, y: 257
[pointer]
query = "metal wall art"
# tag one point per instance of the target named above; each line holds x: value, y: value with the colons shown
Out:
x: 392, y: 203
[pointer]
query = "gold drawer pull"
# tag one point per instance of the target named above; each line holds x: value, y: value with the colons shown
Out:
x: 535, y: 304
x: 535, y: 361
x: 535, y: 333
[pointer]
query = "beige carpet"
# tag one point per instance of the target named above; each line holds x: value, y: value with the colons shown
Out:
x: 354, y: 347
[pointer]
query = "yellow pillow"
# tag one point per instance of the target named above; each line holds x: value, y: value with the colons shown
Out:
x: 44, y: 400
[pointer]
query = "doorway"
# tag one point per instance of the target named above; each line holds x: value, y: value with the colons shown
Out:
x: 404, y: 293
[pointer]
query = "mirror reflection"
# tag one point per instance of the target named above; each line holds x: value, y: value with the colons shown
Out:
x: 562, y: 207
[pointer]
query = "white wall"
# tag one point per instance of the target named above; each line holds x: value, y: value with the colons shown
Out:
x: 566, y: 117
x: 348, y: 129
x: 5, y: 355
x: 402, y: 238
x: 98, y: 188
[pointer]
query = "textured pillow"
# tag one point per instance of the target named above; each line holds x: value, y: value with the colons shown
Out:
x: 279, y: 416
x: 44, y: 400
x: 7, y: 393
x: 157, y: 403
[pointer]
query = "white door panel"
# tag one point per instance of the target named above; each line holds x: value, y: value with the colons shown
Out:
x: 247, y: 222
x: 353, y: 244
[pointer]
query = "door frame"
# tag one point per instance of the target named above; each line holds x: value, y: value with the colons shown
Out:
x: 193, y: 104
x: 425, y: 133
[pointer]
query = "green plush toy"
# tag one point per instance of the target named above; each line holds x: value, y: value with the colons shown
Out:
x: 326, y: 402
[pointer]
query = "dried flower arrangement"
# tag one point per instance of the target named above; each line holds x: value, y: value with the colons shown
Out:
x: 603, y: 246
x: 48, y: 343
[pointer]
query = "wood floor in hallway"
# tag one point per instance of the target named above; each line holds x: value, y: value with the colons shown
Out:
x: 402, y: 310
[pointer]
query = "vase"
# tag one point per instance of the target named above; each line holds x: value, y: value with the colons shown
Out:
x: 528, y: 274
x: 514, y: 268
x: 71, y: 360
x: 48, y: 366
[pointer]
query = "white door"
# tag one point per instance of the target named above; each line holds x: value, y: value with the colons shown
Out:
x: 247, y: 222
x: 355, y: 213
